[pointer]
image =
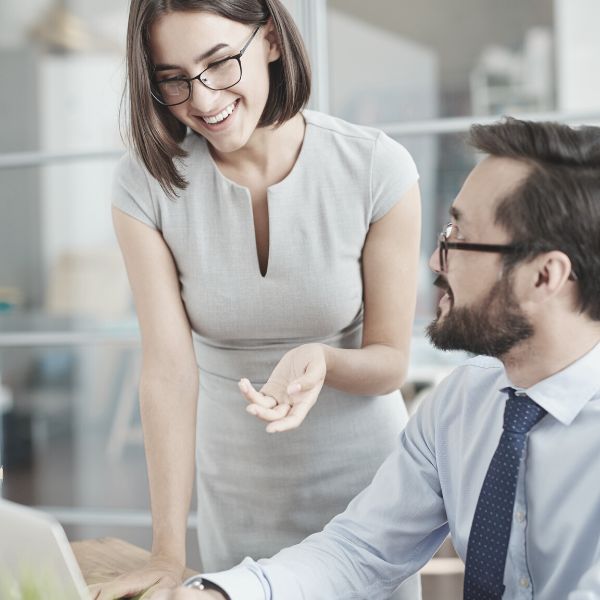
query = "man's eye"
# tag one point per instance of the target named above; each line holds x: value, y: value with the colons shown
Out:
x: 456, y: 235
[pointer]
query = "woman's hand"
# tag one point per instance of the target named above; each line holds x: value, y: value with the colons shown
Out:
x: 160, y: 573
x: 292, y: 388
x: 182, y: 593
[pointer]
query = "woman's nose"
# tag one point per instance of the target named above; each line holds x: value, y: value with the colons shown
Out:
x: 203, y: 99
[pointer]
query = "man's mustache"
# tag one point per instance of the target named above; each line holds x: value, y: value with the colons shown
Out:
x: 442, y: 283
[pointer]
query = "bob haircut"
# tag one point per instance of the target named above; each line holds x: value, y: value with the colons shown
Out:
x: 153, y: 131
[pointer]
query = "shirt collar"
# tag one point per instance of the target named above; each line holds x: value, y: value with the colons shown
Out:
x: 564, y: 394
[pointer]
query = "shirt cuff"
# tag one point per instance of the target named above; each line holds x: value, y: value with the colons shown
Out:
x: 240, y: 583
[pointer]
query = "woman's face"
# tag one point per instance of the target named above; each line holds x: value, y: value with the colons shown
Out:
x: 182, y: 44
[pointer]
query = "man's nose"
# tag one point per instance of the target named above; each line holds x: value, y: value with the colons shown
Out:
x: 434, y: 261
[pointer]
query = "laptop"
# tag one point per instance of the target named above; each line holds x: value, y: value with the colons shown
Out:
x: 36, y: 558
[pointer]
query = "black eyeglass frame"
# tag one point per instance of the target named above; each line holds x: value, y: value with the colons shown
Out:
x: 189, y: 81
x: 444, y: 245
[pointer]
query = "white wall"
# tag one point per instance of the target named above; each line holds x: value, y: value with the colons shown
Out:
x: 377, y: 76
x: 79, y: 101
x: 16, y: 17
x: 578, y: 54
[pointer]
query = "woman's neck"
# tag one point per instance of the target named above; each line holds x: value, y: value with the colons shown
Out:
x: 270, y: 153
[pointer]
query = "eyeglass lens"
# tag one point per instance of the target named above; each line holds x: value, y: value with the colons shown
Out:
x: 222, y: 75
x: 443, y: 251
x: 442, y: 243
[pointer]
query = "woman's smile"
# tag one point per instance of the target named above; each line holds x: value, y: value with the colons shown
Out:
x: 220, y: 120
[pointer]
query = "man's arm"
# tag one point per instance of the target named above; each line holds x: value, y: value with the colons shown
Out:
x: 588, y: 587
x: 387, y: 533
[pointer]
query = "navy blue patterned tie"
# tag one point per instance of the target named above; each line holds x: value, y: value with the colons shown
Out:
x: 490, y: 531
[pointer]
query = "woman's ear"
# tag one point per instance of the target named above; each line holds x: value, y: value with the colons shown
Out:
x: 272, y: 38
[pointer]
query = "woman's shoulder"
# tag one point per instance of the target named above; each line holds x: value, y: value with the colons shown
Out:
x: 132, y: 190
x: 130, y: 169
x: 194, y: 144
x: 334, y: 126
x: 365, y: 143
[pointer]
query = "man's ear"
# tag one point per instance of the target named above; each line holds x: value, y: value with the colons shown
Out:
x: 551, y: 274
x: 273, y: 39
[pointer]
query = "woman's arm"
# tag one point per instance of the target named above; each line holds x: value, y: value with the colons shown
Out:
x: 169, y: 380
x: 390, y: 262
x: 168, y: 396
x: 390, y: 270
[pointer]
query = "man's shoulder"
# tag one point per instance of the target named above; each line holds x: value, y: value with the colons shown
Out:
x: 483, y: 362
x: 469, y: 391
x: 474, y: 371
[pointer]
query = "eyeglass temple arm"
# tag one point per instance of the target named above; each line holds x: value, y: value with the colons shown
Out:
x: 241, y: 52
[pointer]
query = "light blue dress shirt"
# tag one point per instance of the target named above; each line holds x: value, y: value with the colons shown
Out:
x: 430, y: 485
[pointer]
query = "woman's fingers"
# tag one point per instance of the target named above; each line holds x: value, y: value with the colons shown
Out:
x: 161, y: 595
x: 158, y: 589
x: 255, y: 397
x: 180, y: 593
x: 262, y: 405
x: 291, y: 390
x: 268, y: 414
x: 132, y: 584
x: 313, y: 376
x: 119, y: 589
x: 293, y: 419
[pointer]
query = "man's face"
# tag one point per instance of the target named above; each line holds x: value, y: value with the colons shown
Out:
x: 479, y: 311
x: 491, y: 326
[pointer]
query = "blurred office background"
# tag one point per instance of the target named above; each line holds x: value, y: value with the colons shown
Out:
x: 71, y: 440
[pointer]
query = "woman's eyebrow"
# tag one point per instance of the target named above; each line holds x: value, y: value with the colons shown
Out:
x: 200, y: 58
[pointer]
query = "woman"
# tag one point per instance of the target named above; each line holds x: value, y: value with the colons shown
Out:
x: 272, y: 254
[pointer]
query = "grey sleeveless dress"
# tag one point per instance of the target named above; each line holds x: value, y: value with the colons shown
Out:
x: 257, y: 492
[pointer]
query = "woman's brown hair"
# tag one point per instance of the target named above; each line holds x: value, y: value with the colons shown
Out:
x: 154, y: 132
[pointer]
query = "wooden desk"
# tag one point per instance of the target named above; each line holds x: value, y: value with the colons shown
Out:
x: 106, y: 558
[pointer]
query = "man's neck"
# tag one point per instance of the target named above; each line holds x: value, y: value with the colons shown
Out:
x: 550, y: 350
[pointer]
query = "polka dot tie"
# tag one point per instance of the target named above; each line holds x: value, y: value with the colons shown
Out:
x: 490, y: 531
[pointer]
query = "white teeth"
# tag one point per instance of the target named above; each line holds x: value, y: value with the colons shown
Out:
x: 220, y: 116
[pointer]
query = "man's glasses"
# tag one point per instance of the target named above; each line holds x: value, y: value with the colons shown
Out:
x: 219, y: 75
x: 451, y: 231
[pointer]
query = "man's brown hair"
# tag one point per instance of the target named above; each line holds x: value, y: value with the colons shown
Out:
x: 557, y: 206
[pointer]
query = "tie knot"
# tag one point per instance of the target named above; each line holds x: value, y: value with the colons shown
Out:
x: 521, y: 413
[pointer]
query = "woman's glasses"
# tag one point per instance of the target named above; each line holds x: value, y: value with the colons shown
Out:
x: 219, y: 75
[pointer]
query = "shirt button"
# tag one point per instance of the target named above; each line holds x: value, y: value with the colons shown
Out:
x: 520, y: 516
x: 524, y: 582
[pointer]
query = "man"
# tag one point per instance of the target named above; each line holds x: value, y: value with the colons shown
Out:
x: 505, y: 453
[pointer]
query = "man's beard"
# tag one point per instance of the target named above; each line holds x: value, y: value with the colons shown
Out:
x: 492, y: 327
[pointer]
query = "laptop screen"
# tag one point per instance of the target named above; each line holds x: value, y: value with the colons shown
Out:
x: 35, y: 556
